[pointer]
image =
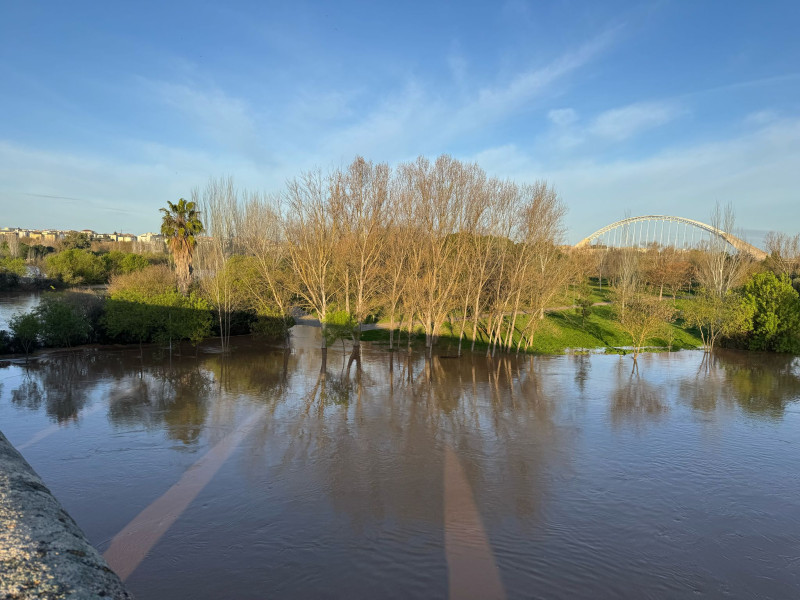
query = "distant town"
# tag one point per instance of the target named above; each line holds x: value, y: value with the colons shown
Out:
x: 54, y: 235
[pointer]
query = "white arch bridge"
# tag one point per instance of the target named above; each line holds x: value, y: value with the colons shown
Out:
x: 664, y: 230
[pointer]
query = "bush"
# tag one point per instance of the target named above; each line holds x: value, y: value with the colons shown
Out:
x: 776, y: 316
x: 271, y: 327
x: 62, y: 322
x: 241, y: 321
x: 76, y: 266
x: 5, y: 342
x: 121, y: 263
x: 76, y: 239
x: 339, y: 324
x: 11, y: 269
x: 150, y: 281
x: 146, y: 306
x: 26, y: 329
x: 13, y: 266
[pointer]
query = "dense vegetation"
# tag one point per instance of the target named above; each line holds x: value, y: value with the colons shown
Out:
x: 435, y: 249
x: 72, y: 261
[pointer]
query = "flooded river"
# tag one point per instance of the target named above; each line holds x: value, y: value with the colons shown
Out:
x: 14, y: 303
x: 259, y: 475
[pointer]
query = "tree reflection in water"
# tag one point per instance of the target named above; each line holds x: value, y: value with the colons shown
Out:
x: 345, y: 464
x: 174, y: 397
x: 372, y: 437
x: 60, y: 383
x: 369, y: 431
x: 762, y: 385
x: 634, y: 399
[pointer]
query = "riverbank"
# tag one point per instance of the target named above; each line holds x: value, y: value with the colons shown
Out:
x: 562, y: 331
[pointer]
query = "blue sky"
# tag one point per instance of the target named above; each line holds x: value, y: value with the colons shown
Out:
x: 111, y: 109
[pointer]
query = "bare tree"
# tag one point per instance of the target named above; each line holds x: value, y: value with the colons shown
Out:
x: 311, y: 241
x: 547, y: 269
x: 784, y: 253
x: 438, y: 196
x: 626, y: 275
x: 359, y: 209
x: 506, y: 260
x: 13, y: 245
x: 721, y: 268
x: 644, y: 317
x: 219, y: 205
x: 261, y: 235
x: 396, y: 262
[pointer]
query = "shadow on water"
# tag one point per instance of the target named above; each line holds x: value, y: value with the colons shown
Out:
x: 340, y: 482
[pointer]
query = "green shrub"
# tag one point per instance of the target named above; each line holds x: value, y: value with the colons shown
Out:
x: 339, y: 324
x: 121, y: 263
x: 26, y: 329
x: 271, y: 327
x: 776, y: 313
x: 76, y: 266
x: 62, y: 322
x: 146, y: 306
x: 14, y: 266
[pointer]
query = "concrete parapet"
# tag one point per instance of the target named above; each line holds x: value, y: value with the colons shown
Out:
x: 43, y: 552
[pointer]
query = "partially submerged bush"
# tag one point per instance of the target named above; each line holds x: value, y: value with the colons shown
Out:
x: 146, y: 306
x: 25, y: 329
x: 63, y: 321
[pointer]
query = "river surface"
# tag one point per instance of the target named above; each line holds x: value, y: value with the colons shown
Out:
x: 259, y: 475
x: 13, y: 303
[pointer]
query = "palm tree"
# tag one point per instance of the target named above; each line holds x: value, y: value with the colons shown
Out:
x: 180, y: 225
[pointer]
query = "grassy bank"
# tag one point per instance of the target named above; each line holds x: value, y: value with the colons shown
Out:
x: 561, y: 331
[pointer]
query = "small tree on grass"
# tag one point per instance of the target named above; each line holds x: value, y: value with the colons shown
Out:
x: 584, y: 301
x: 718, y: 317
x: 645, y: 317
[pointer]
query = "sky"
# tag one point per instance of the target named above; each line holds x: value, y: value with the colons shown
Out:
x: 110, y: 109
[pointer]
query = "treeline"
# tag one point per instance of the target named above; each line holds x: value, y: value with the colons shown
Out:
x: 75, y: 260
x: 726, y: 296
x: 433, y: 245
x: 429, y: 247
x: 143, y: 306
x: 418, y: 245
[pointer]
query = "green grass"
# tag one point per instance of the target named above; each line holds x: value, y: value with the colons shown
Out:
x: 562, y: 331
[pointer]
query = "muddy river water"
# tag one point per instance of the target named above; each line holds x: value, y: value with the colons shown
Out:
x: 261, y: 475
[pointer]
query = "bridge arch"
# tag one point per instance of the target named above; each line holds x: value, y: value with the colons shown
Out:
x: 628, y: 229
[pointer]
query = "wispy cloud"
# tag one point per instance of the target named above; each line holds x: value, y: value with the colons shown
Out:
x: 42, y: 188
x: 499, y: 100
x: 227, y: 120
x: 410, y: 120
x: 628, y: 121
x: 457, y: 63
x: 562, y: 117
x: 755, y: 171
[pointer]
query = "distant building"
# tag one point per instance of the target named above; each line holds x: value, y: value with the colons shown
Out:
x: 123, y: 237
x: 52, y: 235
x: 151, y: 237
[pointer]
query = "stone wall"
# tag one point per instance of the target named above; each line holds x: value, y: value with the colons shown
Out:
x: 43, y: 552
